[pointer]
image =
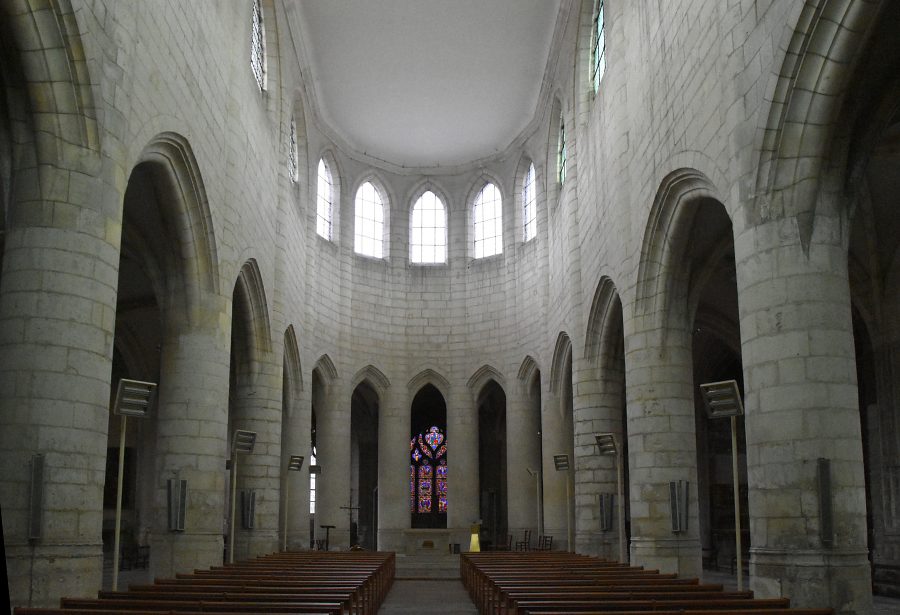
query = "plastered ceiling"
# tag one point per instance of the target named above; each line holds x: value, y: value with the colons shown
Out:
x: 425, y: 83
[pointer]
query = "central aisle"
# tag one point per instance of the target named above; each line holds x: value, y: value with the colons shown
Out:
x: 437, y: 597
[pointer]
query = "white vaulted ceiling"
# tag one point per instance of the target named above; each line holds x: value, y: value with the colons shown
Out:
x: 425, y: 83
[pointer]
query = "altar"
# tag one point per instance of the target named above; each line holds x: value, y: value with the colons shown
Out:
x: 425, y: 541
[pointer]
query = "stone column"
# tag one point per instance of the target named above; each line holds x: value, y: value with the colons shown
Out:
x: 522, y: 453
x: 598, y: 409
x: 57, y: 319
x: 801, y: 403
x: 462, y: 461
x: 662, y: 448
x: 333, y: 484
x: 258, y: 408
x: 393, y: 469
x: 192, y: 425
x: 556, y: 436
x: 297, y: 442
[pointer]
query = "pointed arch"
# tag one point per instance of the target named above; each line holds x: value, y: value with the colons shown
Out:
x: 664, y: 236
x: 428, y: 376
x: 374, y: 377
x: 326, y: 369
x: 600, y: 320
x: 293, y: 372
x: 560, y: 353
x: 807, y: 95
x: 250, y: 284
x: 185, y: 213
x: 65, y: 99
x: 527, y: 369
x: 482, y: 376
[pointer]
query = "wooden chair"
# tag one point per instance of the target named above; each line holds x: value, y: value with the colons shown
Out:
x: 545, y: 543
x: 525, y: 543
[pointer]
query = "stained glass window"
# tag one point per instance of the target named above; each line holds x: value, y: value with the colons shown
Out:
x: 488, y: 221
x: 529, y: 200
x: 428, y: 472
x: 258, y: 46
x: 598, y: 47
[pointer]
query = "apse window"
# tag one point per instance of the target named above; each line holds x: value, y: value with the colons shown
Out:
x: 598, y: 47
x: 488, y: 221
x: 561, y: 152
x: 428, y: 240
x: 529, y: 203
x: 258, y: 46
x: 369, y: 236
x: 293, y: 154
x: 324, y: 200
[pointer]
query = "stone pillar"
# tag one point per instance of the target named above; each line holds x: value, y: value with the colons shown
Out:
x: 296, y: 438
x: 393, y: 469
x: 661, y: 448
x: 192, y: 424
x: 522, y: 453
x: 801, y: 403
x: 556, y: 436
x: 333, y: 445
x: 598, y: 409
x: 258, y: 408
x: 57, y: 318
x: 462, y: 462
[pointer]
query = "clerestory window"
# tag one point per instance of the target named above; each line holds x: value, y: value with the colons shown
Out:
x: 369, y: 235
x: 324, y: 200
x: 488, y: 221
x: 428, y: 230
x: 561, y: 152
x: 598, y: 46
x: 293, y: 153
x: 258, y: 46
x: 529, y: 203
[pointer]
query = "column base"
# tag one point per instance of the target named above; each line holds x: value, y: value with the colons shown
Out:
x: 683, y: 556
x: 814, y: 578
x: 39, y: 576
x: 174, y: 552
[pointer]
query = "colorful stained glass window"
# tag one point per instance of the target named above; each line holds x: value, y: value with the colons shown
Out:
x: 428, y: 472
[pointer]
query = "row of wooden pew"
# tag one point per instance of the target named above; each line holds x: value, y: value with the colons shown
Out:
x: 535, y: 583
x: 331, y: 583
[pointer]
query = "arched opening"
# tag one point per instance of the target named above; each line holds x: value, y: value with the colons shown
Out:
x: 558, y: 451
x: 492, y: 469
x: 429, y: 469
x: 145, y: 253
x: 318, y: 403
x: 872, y: 143
x: 716, y: 356
x: 536, y: 470
x: 364, y: 408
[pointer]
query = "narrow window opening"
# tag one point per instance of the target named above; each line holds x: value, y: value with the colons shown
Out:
x: 488, y: 220
x: 324, y: 201
x: 428, y: 241
x: 258, y: 46
x: 529, y: 200
x: 369, y: 235
x: 598, y: 47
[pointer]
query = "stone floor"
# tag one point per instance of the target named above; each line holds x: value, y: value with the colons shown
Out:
x: 436, y: 597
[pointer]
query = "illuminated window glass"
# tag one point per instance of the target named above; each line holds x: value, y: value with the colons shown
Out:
x: 529, y: 201
x: 258, y: 46
x: 369, y: 236
x: 488, y: 220
x: 561, y: 152
x: 598, y: 47
x: 428, y: 472
x: 293, y: 169
x: 312, y: 487
x: 428, y: 241
x: 324, y: 200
